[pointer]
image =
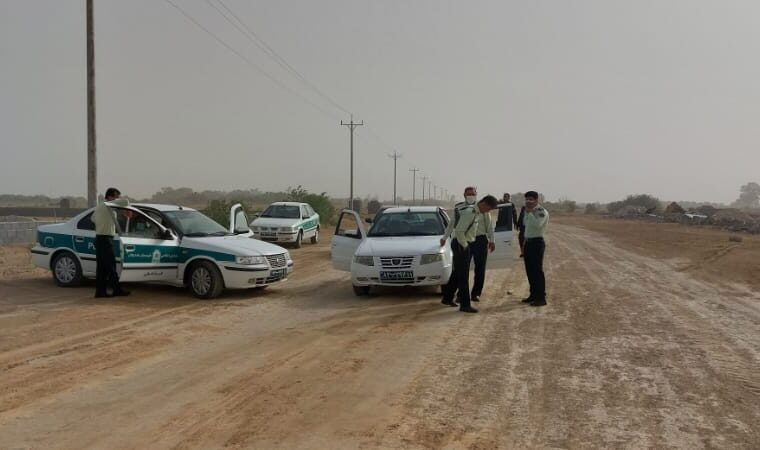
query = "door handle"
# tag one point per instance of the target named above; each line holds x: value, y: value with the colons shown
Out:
x: 129, y: 248
x: 78, y: 239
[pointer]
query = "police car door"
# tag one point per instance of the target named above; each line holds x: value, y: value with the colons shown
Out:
x: 239, y: 221
x: 349, y: 234
x: 149, y: 252
x: 504, y: 254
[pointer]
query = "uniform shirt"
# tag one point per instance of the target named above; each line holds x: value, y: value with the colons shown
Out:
x: 450, y: 226
x: 535, y: 222
x: 465, y: 229
x: 485, y: 226
x: 103, y: 217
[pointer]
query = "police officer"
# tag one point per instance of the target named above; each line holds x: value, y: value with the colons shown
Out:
x: 483, y: 244
x: 105, y: 229
x: 535, y: 220
x: 463, y: 235
x: 470, y: 197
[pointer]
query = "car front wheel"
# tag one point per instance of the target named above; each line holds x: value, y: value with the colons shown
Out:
x: 361, y: 290
x: 205, y: 281
x: 299, y: 240
x: 67, y: 271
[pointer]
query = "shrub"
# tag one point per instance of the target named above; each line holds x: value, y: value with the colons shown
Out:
x: 320, y: 202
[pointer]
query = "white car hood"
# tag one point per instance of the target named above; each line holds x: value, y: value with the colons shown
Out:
x: 236, y: 245
x: 400, y: 246
x: 274, y: 222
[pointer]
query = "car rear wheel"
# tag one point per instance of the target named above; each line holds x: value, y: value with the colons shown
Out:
x: 67, y: 271
x: 361, y: 290
x: 315, y: 238
x: 299, y: 239
x: 205, y: 281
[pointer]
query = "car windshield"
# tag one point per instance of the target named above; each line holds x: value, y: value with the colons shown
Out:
x: 195, y: 224
x: 407, y: 224
x: 282, y: 212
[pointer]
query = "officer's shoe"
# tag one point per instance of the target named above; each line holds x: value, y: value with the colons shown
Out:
x: 538, y: 303
x: 468, y: 309
x: 448, y: 302
x: 527, y: 300
x: 475, y: 298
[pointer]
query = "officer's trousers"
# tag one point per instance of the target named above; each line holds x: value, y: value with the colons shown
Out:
x: 479, y: 255
x: 459, y: 283
x: 534, y: 268
x: 105, y: 271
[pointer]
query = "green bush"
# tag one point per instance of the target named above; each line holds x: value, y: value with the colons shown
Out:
x: 648, y: 202
x: 219, y: 210
x: 320, y: 202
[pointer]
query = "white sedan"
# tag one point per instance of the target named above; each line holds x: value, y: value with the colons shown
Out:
x: 402, y: 248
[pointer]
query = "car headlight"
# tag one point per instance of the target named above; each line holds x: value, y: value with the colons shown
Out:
x: 429, y: 259
x: 256, y: 229
x: 250, y: 260
x: 364, y: 260
x: 287, y: 256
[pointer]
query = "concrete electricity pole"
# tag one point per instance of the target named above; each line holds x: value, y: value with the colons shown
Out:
x: 395, y: 157
x: 424, y: 182
x: 351, y: 126
x: 92, y: 161
x: 414, y: 184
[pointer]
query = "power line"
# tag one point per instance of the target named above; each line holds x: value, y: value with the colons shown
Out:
x: 263, y: 45
x: 249, y: 62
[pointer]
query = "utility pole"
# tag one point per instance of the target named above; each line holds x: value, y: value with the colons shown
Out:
x: 430, y: 185
x: 395, y: 157
x: 414, y: 184
x: 435, y: 193
x: 351, y: 126
x: 424, y: 182
x: 92, y: 161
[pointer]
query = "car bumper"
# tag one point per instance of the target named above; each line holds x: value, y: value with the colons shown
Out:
x: 244, y: 277
x: 277, y: 237
x: 41, y: 257
x: 425, y: 275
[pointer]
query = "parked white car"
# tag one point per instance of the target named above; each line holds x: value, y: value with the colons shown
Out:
x: 166, y: 244
x: 287, y: 222
x: 402, y: 248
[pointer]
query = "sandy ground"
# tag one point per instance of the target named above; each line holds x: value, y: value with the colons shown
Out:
x: 638, y: 348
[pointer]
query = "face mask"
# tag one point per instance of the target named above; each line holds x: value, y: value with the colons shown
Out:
x: 470, y: 199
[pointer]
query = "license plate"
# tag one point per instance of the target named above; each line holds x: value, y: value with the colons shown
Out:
x: 397, y: 275
x: 278, y: 273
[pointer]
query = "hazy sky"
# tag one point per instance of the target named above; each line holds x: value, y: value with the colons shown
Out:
x: 590, y: 100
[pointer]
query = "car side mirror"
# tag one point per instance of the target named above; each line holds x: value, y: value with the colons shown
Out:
x: 167, y: 235
x: 304, y: 217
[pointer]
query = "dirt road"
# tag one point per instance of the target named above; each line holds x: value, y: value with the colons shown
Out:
x: 630, y: 353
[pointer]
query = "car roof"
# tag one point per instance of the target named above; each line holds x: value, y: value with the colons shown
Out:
x: 289, y: 203
x: 401, y: 209
x: 161, y: 207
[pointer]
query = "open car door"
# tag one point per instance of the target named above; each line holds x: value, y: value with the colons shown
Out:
x: 505, y: 255
x: 239, y: 221
x: 349, y: 234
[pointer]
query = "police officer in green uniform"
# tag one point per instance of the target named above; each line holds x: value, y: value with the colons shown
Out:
x: 483, y: 244
x: 535, y: 220
x: 105, y: 261
x: 464, y: 229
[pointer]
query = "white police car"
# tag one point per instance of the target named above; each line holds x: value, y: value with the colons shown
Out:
x: 167, y: 244
x: 402, y: 248
x: 289, y: 222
